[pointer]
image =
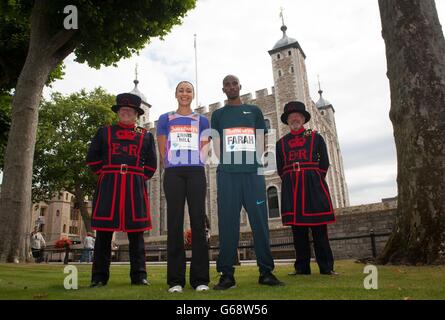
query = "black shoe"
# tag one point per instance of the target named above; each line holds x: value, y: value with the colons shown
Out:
x: 142, y: 282
x: 225, y: 282
x: 330, y: 273
x: 97, y: 284
x: 270, y: 280
x: 296, y: 273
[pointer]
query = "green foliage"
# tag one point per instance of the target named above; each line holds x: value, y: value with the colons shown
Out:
x: 108, y: 30
x: 111, y: 30
x: 14, y: 41
x: 14, y: 38
x: 66, y: 127
x: 5, y: 122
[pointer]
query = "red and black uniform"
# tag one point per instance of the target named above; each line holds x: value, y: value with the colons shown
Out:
x: 123, y: 157
x: 302, y: 163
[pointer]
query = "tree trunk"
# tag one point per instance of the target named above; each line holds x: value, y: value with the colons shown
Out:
x: 415, y: 52
x: 15, y: 205
x: 80, y: 201
x: 44, y: 54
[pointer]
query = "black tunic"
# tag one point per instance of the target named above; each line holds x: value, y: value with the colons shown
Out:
x: 302, y: 163
x: 124, y: 157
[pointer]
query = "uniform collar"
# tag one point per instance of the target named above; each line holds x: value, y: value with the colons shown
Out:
x: 126, y: 126
x: 299, y: 131
x: 190, y: 115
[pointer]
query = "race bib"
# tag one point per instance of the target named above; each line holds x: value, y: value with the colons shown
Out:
x: 183, y: 137
x: 239, y: 139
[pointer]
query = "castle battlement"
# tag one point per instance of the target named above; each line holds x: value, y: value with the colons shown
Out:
x: 247, y: 97
x: 201, y: 110
x: 261, y: 93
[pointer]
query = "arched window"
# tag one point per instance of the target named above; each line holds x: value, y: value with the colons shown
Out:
x: 272, y: 202
x: 267, y: 121
x: 269, y: 161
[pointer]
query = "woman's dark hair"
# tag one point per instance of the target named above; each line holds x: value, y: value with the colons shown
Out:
x: 184, y: 81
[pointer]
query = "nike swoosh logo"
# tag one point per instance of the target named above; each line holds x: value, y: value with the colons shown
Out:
x: 259, y: 202
x: 245, y: 112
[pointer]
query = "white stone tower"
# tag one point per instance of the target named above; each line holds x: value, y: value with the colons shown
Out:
x: 144, y: 120
x: 336, y: 177
x: 326, y: 109
x: 290, y: 84
x: 289, y: 74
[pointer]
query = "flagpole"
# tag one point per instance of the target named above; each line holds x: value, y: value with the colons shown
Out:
x: 196, y: 73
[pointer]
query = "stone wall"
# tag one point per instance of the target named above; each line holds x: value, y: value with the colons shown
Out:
x: 361, y: 223
x: 351, y: 222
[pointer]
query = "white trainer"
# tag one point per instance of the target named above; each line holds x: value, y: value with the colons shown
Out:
x: 177, y: 288
x: 202, y: 287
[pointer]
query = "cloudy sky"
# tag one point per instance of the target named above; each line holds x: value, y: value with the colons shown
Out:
x: 343, y: 44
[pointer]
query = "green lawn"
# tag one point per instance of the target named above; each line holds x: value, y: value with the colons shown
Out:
x: 45, y: 282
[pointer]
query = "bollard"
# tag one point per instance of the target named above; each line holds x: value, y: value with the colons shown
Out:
x: 374, y: 249
x: 67, y: 255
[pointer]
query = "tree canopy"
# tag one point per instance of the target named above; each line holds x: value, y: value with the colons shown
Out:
x: 105, y: 32
x: 66, y: 127
x: 14, y: 43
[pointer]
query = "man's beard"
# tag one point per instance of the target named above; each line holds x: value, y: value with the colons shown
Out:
x: 295, y: 127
